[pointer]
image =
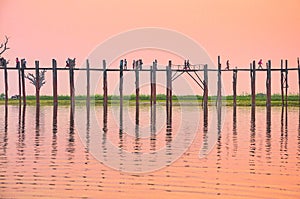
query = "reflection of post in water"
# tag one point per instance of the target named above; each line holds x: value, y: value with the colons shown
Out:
x: 284, y: 135
x: 87, y: 129
x: 5, y: 139
x: 71, y: 140
x: 219, y: 143
x: 54, y: 133
x: 137, y: 145
x: 252, y: 141
x: 168, y: 141
x: 21, y: 137
x: 104, y: 137
x: 121, y: 128
x: 153, y: 127
x: 205, y: 130
x: 37, y: 125
x: 53, y: 163
x: 268, y: 134
x: 234, y: 132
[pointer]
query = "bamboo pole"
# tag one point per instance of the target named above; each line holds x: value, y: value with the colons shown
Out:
x: 88, y: 98
x: 6, y: 83
x: 219, y: 93
x: 234, y: 82
x: 268, y: 84
x: 104, y: 86
x: 23, y: 81
x: 54, y: 81
x: 37, y: 85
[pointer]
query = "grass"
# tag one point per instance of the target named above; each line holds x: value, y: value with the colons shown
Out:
x: 242, y: 100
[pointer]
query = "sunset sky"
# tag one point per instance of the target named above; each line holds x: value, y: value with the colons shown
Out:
x: 241, y: 31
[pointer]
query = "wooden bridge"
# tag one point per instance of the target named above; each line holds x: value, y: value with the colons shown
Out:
x: 172, y: 73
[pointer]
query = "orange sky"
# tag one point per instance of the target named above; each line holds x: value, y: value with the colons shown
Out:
x: 237, y: 30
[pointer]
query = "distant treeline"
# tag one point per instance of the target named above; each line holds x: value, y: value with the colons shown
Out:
x: 159, y: 97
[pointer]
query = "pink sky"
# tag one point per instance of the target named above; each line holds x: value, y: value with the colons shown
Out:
x: 237, y: 30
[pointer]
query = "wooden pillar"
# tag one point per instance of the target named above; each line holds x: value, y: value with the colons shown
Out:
x: 253, y: 77
x: 121, y: 88
x: 219, y: 92
x: 169, y: 95
x: 6, y: 83
x: 23, y: 81
x: 137, y: 92
x: 298, y: 61
x: 20, y: 84
x: 37, y: 85
x: 268, y: 84
x: 205, y: 91
x: 153, y: 83
x: 88, y: 98
x: 72, y: 89
x: 286, y: 83
x: 104, y: 86
x: 234, y: 83
x: 282, y: 83
x: 54, y: 81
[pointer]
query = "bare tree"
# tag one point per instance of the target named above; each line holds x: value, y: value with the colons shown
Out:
x: 33, y: 81
x: 3, y: 48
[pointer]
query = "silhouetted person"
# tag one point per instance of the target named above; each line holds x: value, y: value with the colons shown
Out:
x: 23, y: 63
x: 121, y: 63
x: 227, y: 65
x: 17, y: 63
x: 125, y: 64
x: 140, y: 64
x: 184, y: 68
x: 67, y: 64
x: 260, y: 64
x: 188, y: 64
x: 133, y: 64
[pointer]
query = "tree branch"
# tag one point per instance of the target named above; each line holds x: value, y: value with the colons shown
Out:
x: 4, y: 46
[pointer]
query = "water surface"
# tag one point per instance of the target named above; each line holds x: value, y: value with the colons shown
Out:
x: 63, y: 153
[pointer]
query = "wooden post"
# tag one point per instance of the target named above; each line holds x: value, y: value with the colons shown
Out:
x: 23, y: 81
x: 205, y: 91
x: 253, y: 76
x: 137, y: 92
x: 72, y: 89
x: 298, y: 61
x: 282, y: 83
x: 54, y: 81
x: 153, y: 83
x: 88, y: 98
x: 169, y: 95
x: 6, y: 83
x: 104, y: 86
x: 20, y: 84
x: 286, y: 83
x: 268, y: 84
x: 219, y: 94
x: 37, y: 85
x: 234, y: 82
x: 121, y: 89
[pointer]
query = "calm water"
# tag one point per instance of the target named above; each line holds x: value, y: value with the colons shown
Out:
x: 85, y: 153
